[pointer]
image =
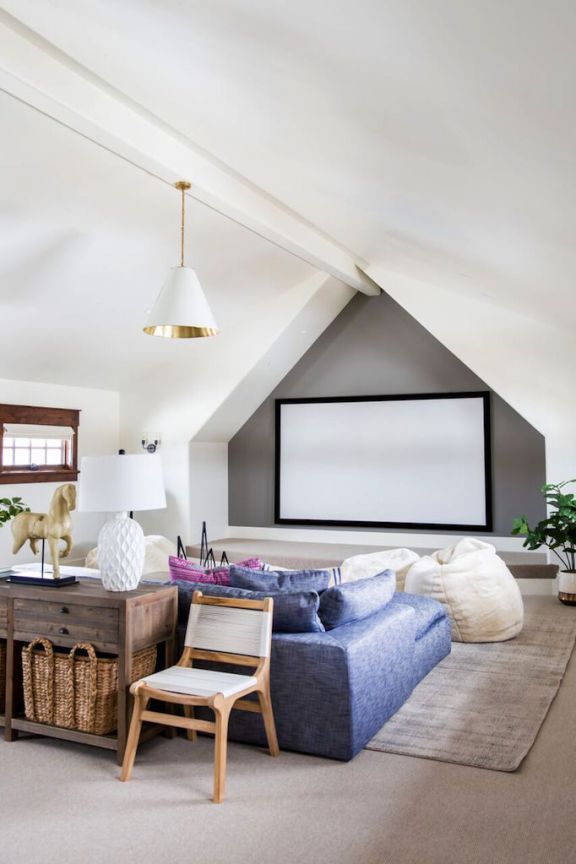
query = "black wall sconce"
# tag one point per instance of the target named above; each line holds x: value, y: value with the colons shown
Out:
x: 150, y: 445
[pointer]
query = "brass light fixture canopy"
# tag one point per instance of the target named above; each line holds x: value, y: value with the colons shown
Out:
x: 181, y: 310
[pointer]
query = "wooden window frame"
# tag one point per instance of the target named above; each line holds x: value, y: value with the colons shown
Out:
x: 28, y: 414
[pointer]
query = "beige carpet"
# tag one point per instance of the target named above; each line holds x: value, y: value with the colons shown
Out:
x: 484, y: 704
x: 60, y: 803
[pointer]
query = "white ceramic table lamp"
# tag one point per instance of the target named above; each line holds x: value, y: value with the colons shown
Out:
x: 120, y: 484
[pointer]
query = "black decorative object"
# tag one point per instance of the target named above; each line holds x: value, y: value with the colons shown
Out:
x: 204, y: 545
x: 181, y: 548
x: 207, y: 557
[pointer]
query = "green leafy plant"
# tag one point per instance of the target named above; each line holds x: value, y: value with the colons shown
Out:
x: 10, y: 507
x: 558, y: 530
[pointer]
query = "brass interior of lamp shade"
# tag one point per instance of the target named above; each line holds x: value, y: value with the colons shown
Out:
x: 179, y: 331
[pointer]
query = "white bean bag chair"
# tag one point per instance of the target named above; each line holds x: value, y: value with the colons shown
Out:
x: 158, y: 548
x: 476, y: 588
x: 363, y: 566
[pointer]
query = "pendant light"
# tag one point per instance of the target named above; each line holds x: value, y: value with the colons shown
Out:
x: 181, y: 310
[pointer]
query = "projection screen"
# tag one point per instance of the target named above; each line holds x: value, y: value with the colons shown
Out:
x: 414, y: 461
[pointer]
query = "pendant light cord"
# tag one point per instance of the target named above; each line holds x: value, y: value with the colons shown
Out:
x: 182, y: 229
x: 182, y: 185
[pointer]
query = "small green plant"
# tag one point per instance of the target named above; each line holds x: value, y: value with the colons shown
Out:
x: 10, y: 507
x: 558, y: 530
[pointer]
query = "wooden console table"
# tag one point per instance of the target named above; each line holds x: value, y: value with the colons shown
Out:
x: 115, y: 623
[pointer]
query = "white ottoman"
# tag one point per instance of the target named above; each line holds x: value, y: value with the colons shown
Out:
x: 476, y: 588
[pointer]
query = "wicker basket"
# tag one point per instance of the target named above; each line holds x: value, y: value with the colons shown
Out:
x: 75, y: 691
x: 2, y: 676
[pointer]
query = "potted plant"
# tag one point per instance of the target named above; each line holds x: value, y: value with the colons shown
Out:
x: 10, y: 507
x: 558, y: 533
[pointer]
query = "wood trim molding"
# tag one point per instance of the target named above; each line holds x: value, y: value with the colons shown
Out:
x: 41, y: 416
x: 62, y: 475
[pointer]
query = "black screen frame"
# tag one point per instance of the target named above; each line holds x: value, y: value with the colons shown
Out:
x: 484, y: 395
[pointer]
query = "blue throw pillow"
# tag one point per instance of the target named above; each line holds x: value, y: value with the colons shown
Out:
x: 353, y: 601
x: 296, y: 612
x: 279, y: 581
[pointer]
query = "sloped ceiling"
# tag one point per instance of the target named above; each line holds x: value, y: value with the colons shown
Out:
x: 85, y: 243
x: 433, y: 139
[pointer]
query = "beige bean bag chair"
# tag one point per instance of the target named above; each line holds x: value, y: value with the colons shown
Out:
x: 476, y: 588
x: 158, y: 548
x: 363, y: 566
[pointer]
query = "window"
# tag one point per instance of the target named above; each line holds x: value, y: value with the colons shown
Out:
x: 38, y: 445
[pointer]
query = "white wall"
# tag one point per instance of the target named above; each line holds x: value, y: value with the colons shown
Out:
x: 97, y: 434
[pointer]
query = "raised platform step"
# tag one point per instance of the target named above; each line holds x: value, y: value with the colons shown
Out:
x: 288, y: 553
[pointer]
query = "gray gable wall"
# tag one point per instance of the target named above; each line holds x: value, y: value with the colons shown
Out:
x: 374, y: 347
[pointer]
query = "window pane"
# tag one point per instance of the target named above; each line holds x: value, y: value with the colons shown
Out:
x: 8, y: 442
x: 8, y: 456
x: 21, y: 457
x: 38, y: 455
x: 22, y: 442
x: 54, y: 442
x: 54, y: 457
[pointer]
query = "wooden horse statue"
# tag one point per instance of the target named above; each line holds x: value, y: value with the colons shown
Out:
x: 52, y: 526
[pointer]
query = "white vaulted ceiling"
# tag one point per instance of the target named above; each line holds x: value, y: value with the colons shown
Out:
x: 432, y: 140
x: 436, y: 137
x: 85, y: 243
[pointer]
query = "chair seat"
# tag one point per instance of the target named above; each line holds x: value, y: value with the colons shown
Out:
x: 199, y: 682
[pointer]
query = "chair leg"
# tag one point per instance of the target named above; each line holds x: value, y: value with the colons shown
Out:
x: 268, y: 718
x: 189, y: 712
x: 222, y: 715
x: 140, y: 703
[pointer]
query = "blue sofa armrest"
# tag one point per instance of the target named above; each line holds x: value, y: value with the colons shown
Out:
x: 331, y: 692
x: 380, y: 657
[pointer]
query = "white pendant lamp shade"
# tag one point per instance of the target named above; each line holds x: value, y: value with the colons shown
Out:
x: 181, y: 310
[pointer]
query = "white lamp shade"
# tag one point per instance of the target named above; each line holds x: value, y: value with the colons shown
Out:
x: 113, y: 484
x: 181, y: 310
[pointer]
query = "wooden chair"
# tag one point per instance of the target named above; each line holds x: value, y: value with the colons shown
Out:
x: 221, y: 630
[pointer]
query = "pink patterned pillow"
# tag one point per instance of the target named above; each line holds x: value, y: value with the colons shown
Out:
x: 188, y: 571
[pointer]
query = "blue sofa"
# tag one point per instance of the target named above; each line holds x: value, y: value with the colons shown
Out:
x: 333, y: 691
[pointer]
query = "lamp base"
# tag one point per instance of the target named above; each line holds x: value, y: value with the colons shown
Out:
x: 121, y: 552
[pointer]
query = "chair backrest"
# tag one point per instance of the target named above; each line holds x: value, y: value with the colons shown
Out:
x: 230, y: 625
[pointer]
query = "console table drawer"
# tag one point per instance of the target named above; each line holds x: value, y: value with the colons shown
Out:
x: 3, y: 616
x: 64, y: 622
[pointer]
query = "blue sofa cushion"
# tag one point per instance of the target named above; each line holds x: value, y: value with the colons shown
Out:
x: 294, y: 612
x: 278, y: 580
x: 353, y: 601
x: 428, y: 611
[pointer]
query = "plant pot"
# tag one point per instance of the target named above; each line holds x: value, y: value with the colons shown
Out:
x: 567, y: 587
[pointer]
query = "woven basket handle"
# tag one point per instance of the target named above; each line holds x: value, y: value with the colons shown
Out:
x: 45, y: 643
x: 29, y: 680
x: 85, y: 646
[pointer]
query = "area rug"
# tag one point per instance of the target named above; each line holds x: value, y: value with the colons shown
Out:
x: 484, y: 704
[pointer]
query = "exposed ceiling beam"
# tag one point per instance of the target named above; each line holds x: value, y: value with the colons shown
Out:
x: 39, y: 74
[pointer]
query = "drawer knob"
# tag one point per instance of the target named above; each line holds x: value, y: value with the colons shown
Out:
x: 64, y: 610
x: 63, y: 631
